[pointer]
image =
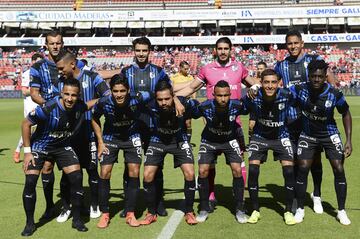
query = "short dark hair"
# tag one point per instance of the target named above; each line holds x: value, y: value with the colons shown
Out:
x: 291, y: 33
x: 262, y: 63
x: 317, y: 65
x: 184, y: 63
x: 65, y: 55
x: 84, y: 61
x: 119, y: 79
x: 142, y: 41
x: 71, y: 82
x: 223, y: 40
x: 36, y: 56
x: 222, y: 84
x: 53, y: 34
x: 269, y: 72
x: 164, y: 85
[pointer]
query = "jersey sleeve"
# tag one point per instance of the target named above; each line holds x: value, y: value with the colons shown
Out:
x: 240, y: 107
x: 37, y: 115
x: 278, y: 70
x: 244, y: 72
x: 201, y: 74
x: 98, y: 110
x: 102, y: 89
x: 245, y: 105
x: 35, y: 78
x: 163, y: 76
x: 341, y: 104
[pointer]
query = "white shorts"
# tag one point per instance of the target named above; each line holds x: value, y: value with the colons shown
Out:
x: 29, y: 106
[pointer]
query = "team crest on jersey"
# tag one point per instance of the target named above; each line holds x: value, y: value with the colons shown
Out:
x: 232, y: 118
x: 328, y: 103
x: 281, y: 106
x: 152, y: 75
x: 85, y: 84
x: 234, y: 68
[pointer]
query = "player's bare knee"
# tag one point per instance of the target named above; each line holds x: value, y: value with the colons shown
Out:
x: 203, y: 171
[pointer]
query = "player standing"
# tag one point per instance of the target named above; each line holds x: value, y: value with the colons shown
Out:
x: 29, y: 105
x: 317, y: 101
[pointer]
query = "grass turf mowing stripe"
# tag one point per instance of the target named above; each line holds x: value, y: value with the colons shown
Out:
x: 169, y: 229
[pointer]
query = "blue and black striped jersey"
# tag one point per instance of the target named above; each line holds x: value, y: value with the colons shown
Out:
x: 167, y: 127
x: 271, y: 117
x: 220, y: 124
x: 55, y: 125
x: 143, y: 79
x: 294, y: 73
x: 45, y: 76
x: 317, y: 111
x: 120, y: 122
x: 92, y: 86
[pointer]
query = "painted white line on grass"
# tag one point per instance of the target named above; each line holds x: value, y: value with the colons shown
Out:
x: 169, y: 229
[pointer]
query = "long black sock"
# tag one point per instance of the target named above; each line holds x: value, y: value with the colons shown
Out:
x: 93, y: 181
x: 253, y: 185
x: 238, y: 189
x: 104, y: 192
x: 189, y: 191
x: 288, y: 173
x: 340, y: 188
x: 159, y: 185
x: 203, y: 184
x: 150, y: 196
x: 29, y: 197
x: 301, y: 185
x: 77, y: 193
x: 125, y: 181
x: 65, y: 191
x: 317, y: 172
x: 48, y: 187
x: 133, y: 191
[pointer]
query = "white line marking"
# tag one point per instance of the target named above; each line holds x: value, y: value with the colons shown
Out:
x: 169, y: 229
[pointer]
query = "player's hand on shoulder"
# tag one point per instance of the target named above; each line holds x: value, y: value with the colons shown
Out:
x: 253, y: 91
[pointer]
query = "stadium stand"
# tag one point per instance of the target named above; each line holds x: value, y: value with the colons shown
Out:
x: 156, y: 4
x: 344, y: 63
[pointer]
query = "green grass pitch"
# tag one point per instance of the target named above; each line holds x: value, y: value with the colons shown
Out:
x: 220, y: 224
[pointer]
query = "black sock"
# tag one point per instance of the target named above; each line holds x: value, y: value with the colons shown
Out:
x: 104, y: 192
x: 288, y: 173
x: 133, y: 191
x: 189, y: 191
x: 150, y: 196
x: 29, y: 197
x: 317, y: 172
x: 340, y: 188
x: 203, y: 184
x: 253, y: 185
x: 159, y: 185
x: 77, y: 193
x: 301, y: 185
x: 238, y: 189
x: 125, y: 182
x: 48, y: 187
x: 94, y: 186
x: 65, y: 191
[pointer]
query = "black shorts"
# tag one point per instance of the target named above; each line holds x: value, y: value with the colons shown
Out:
x: 208, y: 152
x: 295, y: 129
x: 156, y: 153
x: 87, y: 153
x: 62, y: 156
x: 259, y: 147
x: 309, y: 146
x: 131, y: 149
